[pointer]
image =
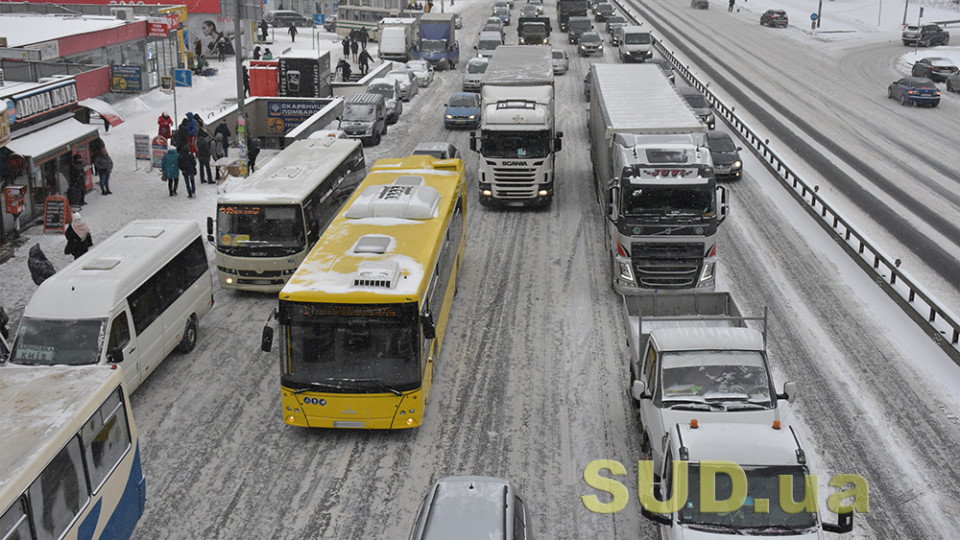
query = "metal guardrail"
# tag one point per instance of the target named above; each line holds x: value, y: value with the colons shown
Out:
x: 941, y: 324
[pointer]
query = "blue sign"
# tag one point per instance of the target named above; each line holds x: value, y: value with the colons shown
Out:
x: 284, y: 115
x: 813, y: 16
x: 318, y: 19
x: 125, y: 79
x: 182, y: 77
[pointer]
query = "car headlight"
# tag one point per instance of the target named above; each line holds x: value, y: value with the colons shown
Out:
x: 472, y: 117
x: 583, y: 47
x: 544, y: 41
x: 736, y: 165
x: 448, y: 116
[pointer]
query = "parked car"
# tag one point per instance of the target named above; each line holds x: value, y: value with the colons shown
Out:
x: 667, y: 68
x: 472, y: 507
x: 439, y: 150
x: 423, y: 71
x: 590, y: 43
x: 927, y: 35
x: 935, y: 68
x: 390, y: 90
x: 699, y: 4
x: 408, y: 82
x: 953, y: 83
x: 915, y: 90
x: 725, y: 155
x: 774, y: 17
x: 285, y: 17
x: 560, y: 62
x: 463, y: 110
x: 473, y: 74
x: 699, y: 104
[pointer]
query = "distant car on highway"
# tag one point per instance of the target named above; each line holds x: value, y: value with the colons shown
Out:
x: 915, y: 90
x: 725, y: 155
x: 590, y: 43
x: 926, y: 35
x: 699, y: 104
x: 613, y: 22
x: 560, y: 62
x: 473, y: 74
x: 934, y: 68
x: 774, y: 17
x: 439, y: 150
x: 699, y: 4
x: 457, y: 21
x: 666, y: 67
x: 529, y: 10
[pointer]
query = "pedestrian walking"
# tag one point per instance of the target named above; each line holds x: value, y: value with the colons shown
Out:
x: 221, y: 48
x: 354, y: 48
x: 346, y: 47
x: 78, y: 177
x: 364, y: 37
x: 216, y: 152
x: 203, y: 157
x: 192, y: 130
x: 166, y: 124
x: 78, y: 236
x: 364, y: 61
x: 263, y: 29
x: 180, y: 135
x: 256, y: 52
x: 267, y: 55
x: 253, y: 150
x: 103, y: 165
x: 224, y: 131
x: 730, y: 6
x: 293, y: 32
x: 188, y: 166
x: 40, y: 266
x: 170, y: 170
x: 344, y: 68
x: 246, y: 82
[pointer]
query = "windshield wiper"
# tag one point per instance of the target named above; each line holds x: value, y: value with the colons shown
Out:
x: 777, y: 530
x: 715, y: 527
x: 378, y: 383
x: 325, y: 384
x: 697, y: 404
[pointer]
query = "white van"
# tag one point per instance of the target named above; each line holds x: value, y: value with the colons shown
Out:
x: 128, y: 301
x: 636, y: 44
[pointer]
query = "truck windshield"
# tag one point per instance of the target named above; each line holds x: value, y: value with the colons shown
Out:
x: 763, y: 484
x: 715, y: 377
x: 44, y: 342
x: 516, y: 144
x: 637, y: 39
x: 260, y: 230
x: 328, y: 342
x: 666, y: 200
x: 433, y: 45
x: 358, y: 112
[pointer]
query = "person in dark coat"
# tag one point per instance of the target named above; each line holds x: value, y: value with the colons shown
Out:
x: 364, y: 61
x: 197, y: 49
x: 253, y: 150
x: 354, y: 48
x: 192, y: 129
x: 188, y: 166
x: 169, y: 167
x: 203, y: 157
x: 166, y: 124
x: 223, y: 130
x: 78, y: 177
x: 293, y: 32
x: 364, y: 37
x: 79, y: 239
x: 256, y: 52
x: 246, y: 82
x: 346, y: 47
x: 264, y: 27
x: 103, y: 165
x: 40, y: 266
x: 216, y: 152
x: 180, y: 136
x: 344, y: 68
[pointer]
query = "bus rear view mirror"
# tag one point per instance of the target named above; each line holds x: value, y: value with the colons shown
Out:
x: 429, y: 330
x: 266, y: 339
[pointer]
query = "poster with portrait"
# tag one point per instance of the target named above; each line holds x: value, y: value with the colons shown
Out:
x: 208, y: 29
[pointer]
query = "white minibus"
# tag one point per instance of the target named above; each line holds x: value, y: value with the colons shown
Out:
x: 128, y: 301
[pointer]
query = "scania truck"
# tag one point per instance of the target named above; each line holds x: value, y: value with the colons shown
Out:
x: 655, y: 182
x: 518, y: 140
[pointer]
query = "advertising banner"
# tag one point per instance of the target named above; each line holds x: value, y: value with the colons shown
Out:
x: 124, y: 78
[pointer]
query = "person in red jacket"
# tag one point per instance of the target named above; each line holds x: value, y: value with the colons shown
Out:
x: 165, y: 123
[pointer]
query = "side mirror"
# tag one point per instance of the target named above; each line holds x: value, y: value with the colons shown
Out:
x: 558, y: 142
x: 429, y: 329
x: 640, y: 390
x: 659, y: 518
x: 789, y: 392
x: 844, y: 523
x: 266, y: 339
x: 115, y: 355
x: 724, y: 205
x: 473, y: 141
x: 210, y: 227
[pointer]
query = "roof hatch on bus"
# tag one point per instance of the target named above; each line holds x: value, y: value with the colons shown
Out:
x: 288, y: 172
x: 143, y: 232
x: 101, y: 264
x: 379, y: 274
x: 372, y: 243
x: 406, y: 197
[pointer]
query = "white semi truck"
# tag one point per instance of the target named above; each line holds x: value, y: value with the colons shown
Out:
x: 693, y: 355
x: 655, y: 182
x: 518, y: 140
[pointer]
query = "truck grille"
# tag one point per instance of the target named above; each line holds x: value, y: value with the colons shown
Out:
x: 667, y: 266
x: 515, y: 175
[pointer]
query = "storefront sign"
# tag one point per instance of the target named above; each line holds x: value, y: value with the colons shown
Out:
x: 43, y: 100
x: 48, y: 49
x: 55, y: 209
x: 4, y: 127
x: 284, y: 115
x: 161, y: 26
x: 159, y: 145
x: 124, y: 78
x: 141, y: 147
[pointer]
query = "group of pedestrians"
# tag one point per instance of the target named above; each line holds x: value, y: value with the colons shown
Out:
x: 191, y: 148
x: 355, y: 47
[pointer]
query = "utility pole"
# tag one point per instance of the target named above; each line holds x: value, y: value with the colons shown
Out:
x: 238, y: 57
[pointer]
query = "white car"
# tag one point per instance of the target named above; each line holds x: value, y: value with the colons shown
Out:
x: 423, y: 70
x: 408, y: 82
x: 560, y: 62
x: 473, y: 74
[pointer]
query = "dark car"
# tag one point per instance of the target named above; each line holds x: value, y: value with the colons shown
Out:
x: 590, y: 43
x: 603, y: 11
x: 666, y: 67
x: 330, y: 24
x: 700, y: 4
x: 615, y: 21
x: 926, y: 35
x: 774, y: 18
x: 457, y: 21
x: 283, y: 18
x: 915, y: 90
x: 463, y: 110
x: 934, y: 68
x: 726, y: 156
x: 587, y: 86
x: 953, y: 83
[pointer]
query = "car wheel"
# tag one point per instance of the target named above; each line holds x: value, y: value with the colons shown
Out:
x: 946, y: 40
x: 903, y: 99
x: 889, y: 92
x: 377, y: 139
x: 925, y: 43
x: 189, y: 339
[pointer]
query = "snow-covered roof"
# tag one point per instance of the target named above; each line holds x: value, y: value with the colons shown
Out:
x: 52, y: 137
x: 707, y: 338
x: 639, y: 99
x: 25, y: 29
x: 520, y: 65
x: 724, y: 442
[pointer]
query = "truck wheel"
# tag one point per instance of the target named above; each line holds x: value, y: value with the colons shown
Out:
x: 189, y: 339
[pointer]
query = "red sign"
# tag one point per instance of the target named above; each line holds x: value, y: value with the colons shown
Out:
x: 161, y: 26
x: 56, y: 210
x: 159, y: 147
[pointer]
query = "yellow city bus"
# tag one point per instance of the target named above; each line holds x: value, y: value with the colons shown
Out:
x: 362, y: 320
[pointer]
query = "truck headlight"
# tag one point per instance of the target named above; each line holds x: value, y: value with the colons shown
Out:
x: 626, y: 273
x: 708, y: 272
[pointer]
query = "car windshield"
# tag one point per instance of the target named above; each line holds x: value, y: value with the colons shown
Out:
x: 517, y: 144
x: 44, y: 342
x: 417, y: 65
x: 488, y: 44
x: 762, y: 484
x: 668, y: 199
x: 715, y: 377
x: 463, y: 101
x: 477, y: 67
x: 722, y: 144
x: 385, y: 90
x: 637, y: 39
x: 941, y: 62
x: 247, y: 229
x: 359, y: 112
x: 696, y: 101
x: 590, y: 37
x: 558, y: 55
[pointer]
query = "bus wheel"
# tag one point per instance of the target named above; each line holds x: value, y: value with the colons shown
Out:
x: 189, y: 340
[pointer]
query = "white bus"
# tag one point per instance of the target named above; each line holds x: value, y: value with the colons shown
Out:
x: 128, y: 301
x: 69, y: 455
x: 268, y: 222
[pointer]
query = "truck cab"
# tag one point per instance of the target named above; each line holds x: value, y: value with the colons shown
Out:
x: 767, y: 455
x: 533, y: 30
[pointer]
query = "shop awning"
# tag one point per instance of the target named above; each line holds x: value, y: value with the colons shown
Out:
x: 51, y: 140
x: 104, y: 109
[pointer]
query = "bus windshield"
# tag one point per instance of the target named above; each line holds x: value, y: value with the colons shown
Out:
x: 668, y: 200
x: 44, y: 342
x: 347, y: 347
x: 517, y: 144
x: 260, y: 230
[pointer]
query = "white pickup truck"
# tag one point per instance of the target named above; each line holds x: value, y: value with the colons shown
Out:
x: 692, y: 355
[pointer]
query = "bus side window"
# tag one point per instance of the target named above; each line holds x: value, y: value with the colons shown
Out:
x: 14, y: 523
x: 59, y: 493
x: 106, y: 438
